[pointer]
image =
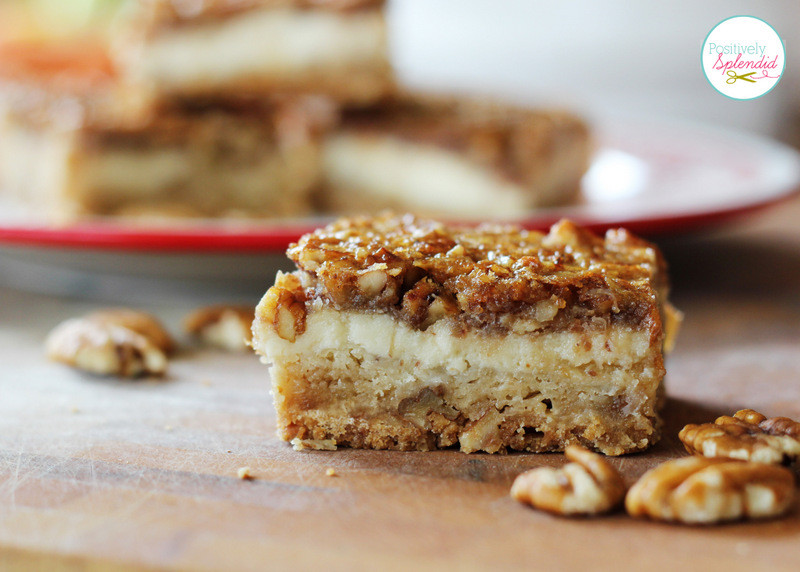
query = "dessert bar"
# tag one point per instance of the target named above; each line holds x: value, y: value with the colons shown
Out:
x: 402, y: 333
x: 251, y: 48
x: 458, y: 158
x: 74, y: 142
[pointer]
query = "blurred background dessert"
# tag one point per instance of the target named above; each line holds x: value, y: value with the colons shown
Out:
x: 221, y: 49
x: 232, y: 82
x: 463, y: 157
x: 77, y: 142
x: 258, y: 109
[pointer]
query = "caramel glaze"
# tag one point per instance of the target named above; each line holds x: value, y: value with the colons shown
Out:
x: 483, y: 276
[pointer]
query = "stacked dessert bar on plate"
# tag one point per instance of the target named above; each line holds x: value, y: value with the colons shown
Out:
x: 253, y: 48
x: 264, y: 108
x: 75, y: 143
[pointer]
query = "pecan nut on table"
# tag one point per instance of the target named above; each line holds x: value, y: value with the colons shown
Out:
x: 701, y: 490
x: 118, y: 342
x: 588, y: 485
x: 748, y: 436
x: 223, y: 326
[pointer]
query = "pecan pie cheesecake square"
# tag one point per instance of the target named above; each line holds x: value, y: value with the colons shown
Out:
x: 75, y: 142
x: 464, y: 158
x: 224, y: 49
x: 403, y: 333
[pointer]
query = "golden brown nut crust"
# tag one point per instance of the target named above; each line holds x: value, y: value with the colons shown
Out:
x: 699, y: 490
x: 587, y: 486
x: 165, y: 13
x: 748, y: 435
x: 403, y: 264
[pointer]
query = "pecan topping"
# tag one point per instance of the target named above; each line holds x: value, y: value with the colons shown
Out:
x: 588, y: 485
x: 747, y: 435
x: 372, y: 282
x: 401, y: 263
x: 118, y: 342
x: 699, y: 490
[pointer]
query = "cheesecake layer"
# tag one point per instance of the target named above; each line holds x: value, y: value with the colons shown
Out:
x: 369, y: 173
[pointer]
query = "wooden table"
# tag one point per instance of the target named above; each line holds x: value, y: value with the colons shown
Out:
x: 98, y: 474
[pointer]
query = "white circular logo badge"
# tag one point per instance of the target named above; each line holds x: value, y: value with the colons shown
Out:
x: 743, y: 57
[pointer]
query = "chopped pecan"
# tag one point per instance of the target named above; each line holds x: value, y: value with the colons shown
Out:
x: 747, y: 435
x: 429, y: 401
x: 439, y: 308
x: 226, y: 327
x: 114, y: 342
x: 283, y: 307
x: 372, y: 282
x: 588, y: 485
x: 423, y: 305
x: 482, y: 433
x: 417, y: 300
x: 700, y: 490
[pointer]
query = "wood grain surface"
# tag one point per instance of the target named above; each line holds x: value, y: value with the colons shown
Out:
x: 113, y: 475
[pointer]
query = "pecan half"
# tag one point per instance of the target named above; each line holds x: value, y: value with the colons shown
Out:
x: 225, y: 327
x: 699, y: 490
x: 586, y: 486
x: 748, y: 436
x: 121, y: 342
x: 283, y: 307
x: 140, y: 322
